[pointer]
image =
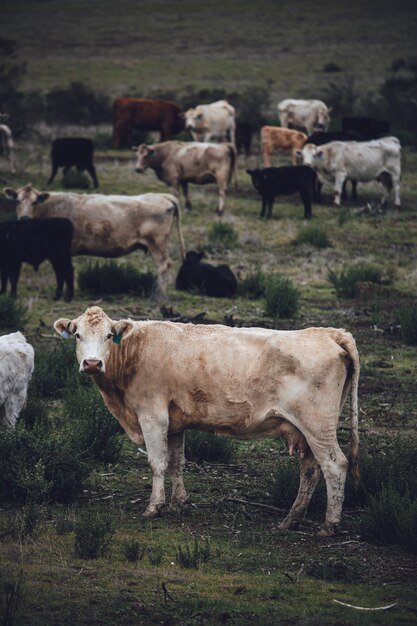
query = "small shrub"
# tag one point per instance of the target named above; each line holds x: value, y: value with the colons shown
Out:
x: 346, y: 281
x: 200, y: 447
x: 11, y: 594
x: 333, y: 569
x: 64, y: 523
x: 73, y: 179
x: 343, y: 215
x: 192, y: 558
x: 133, y: 551
x: 222, y: 235
x: 407, y: 318
x: 282, y: 297
x: 332, y: 67
x: 13, y: 314
x: 155, y: 555
x: 94, y: 530
x: 253, y: 286
x: 111, y: 278
x: 52, y: 368
x: 313, y: 234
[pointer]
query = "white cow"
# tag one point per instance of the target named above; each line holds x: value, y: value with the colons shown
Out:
x: 212, y: 121
x: 362, y: 161
x: 16, y: 367
x: 160, y: 378
x: 309, y: 115
x: 7, y: 146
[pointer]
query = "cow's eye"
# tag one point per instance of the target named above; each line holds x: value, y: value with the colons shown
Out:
x: 109, y: 336
x: 78, y: 336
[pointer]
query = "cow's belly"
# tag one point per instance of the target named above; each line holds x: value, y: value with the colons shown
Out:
x: 202, y: 179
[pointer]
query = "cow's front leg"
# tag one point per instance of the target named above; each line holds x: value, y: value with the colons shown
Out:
x: 184, y: 187
x: 176, y: 462
x: 154, y: 425
x: 338, y: 186
x: 222, y: 198
x: 309, y: 476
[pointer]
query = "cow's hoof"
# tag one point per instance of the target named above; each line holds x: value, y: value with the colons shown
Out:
x: 153, y: 511
x: 397, y: 207
x: 178, y: 507
x: 289, y: 523
x: 328, y: 530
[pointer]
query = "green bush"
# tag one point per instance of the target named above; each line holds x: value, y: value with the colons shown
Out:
x: 93, y: 532
x: 155, y: 555
x: 314, y: 235
x: 53, y: 365
x: 109, y: 278
x: 346, y: 281
x: 407, y: 318
x: 73, y: 179
x: 13, y: 314
x: 282, y: 297
x: 133, y: 551
x: 192, y: 558
x: 222, y: 235
x: 200, y: 447
x: 253, y: 286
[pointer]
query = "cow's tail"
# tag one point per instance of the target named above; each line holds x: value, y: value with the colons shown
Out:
x: 347, y: 342
x: 233, y: 164
x: 177, y: 215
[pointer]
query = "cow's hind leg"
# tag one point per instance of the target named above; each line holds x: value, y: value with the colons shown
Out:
x: 176, y: 462
x: 184, y: 187
x: 309, y: 476
x: 154, y: 427
x: 53, y: 174
x: 92, y: 171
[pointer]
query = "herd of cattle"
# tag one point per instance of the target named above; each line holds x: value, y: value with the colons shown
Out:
x: 159, y: 378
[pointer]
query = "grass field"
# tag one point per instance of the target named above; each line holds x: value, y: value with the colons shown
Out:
x: 255, y: 574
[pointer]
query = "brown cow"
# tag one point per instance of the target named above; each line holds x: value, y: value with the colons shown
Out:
x: 160, y: 378
x: 178, y: 163
x: 109, y: 225
x: 145, y: 115
x: 277, y: 138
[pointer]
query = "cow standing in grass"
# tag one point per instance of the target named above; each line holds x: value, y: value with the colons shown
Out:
x: 17, y: 359
x: 67, y: 152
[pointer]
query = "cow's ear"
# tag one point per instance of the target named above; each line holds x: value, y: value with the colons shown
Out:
x: 42, y: 197
x: 65, y: 327
x: 122, y: 329
x: 151, y: 149
x: 201, y: 255
x: 10, y: 193
x: 319, y: 155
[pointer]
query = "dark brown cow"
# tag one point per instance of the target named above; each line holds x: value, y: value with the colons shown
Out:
x: 145, y: 115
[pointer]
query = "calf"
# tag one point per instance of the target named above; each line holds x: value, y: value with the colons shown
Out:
x: 69, y: 151
x: 273, y: 181
x: 277, y: 138
x: 219, y: 282
x: 368, y: 127
x: 16, y: 367
x: 34, y: 241
x: 214, y: 121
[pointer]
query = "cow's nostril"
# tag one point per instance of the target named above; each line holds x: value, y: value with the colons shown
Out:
x: 92, y: 366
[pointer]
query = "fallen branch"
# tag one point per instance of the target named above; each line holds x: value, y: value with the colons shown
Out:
x: 365, y: 608
x: 268, y: 507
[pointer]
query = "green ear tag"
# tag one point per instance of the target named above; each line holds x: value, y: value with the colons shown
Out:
x: 117, y: 338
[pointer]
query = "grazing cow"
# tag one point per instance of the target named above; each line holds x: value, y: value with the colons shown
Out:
x: 178, y: 163
x: 159, y: 378
x: 244, y: 132
x: 368, y: 127
x: 309, y: 115
x: 145, y: 115
x: 16, y: 367
x: 73, y: 151
x: 274, y: 181
x: 7, y: 146
x: 34, y: 241
x: 277, y: 138
x: 195, y: 276
x: 212, y: 121
x: 338, y: 161
x: 109, y: 226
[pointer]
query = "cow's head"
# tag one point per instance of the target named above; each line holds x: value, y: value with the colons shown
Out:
x: 144, y: 154
x: 307, y: 155
x: 322, y: 118
x: 192, y: 257
x: 194, y: 120
x: 95, y: 334
x: 27, y: 198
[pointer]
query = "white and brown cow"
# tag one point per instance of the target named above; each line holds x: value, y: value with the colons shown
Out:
x: 212, y: 121
x: 277, y: 138
x: 16, y: 368
x: 177, y: 163
x: 159, y: 378
x: 361, y: 161
x: 108, y: 225
x: 309, y: 115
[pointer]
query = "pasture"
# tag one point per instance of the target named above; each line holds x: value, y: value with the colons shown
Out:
x: 222, y: 560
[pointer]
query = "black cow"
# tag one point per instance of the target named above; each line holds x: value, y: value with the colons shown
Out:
x: 219, y: 282
x: 275, y: 181
x: 319, y: 139
x: 69, y: 151
x: 34, y: 241
x: 243, y: 136
x: 368, y: 127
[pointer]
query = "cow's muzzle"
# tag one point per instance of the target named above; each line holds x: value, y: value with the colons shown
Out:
x: 92, y: 366
x: 24, y: 218
x: 139, y: 170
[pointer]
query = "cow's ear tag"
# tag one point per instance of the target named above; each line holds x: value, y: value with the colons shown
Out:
x: 117, y: 337
x: 65, y: 334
